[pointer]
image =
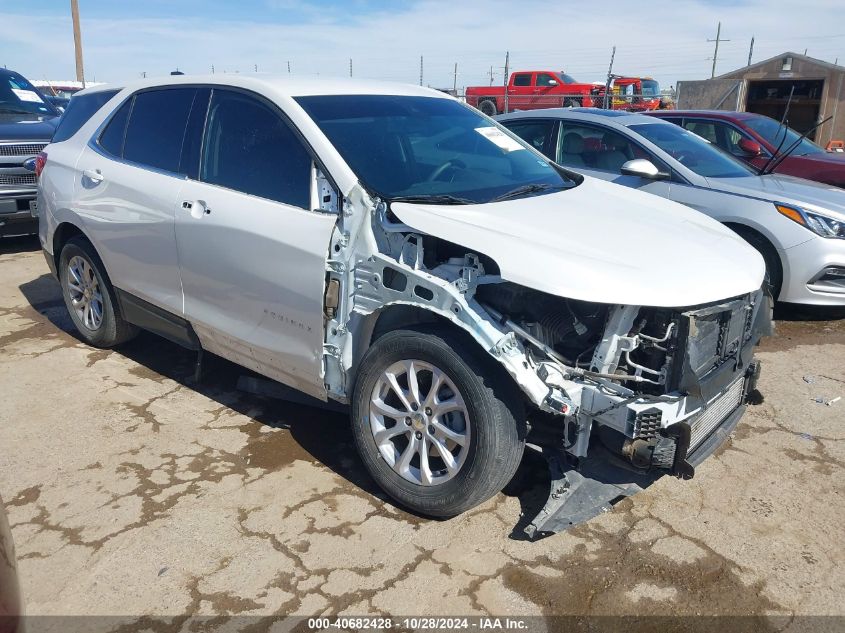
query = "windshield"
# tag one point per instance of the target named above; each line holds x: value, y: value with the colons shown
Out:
x: 774, y: 132
x: 18, y: 96
x: 429, y: 148
x: 692, y: 151
x: 651, y: 88
x: 567, y: 79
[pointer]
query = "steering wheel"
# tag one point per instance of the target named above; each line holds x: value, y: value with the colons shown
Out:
x: 451, y: 163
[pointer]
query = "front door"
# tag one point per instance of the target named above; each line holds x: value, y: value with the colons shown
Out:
x: 252, y: 253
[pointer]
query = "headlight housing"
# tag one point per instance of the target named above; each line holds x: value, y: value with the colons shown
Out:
x: 819, y: 224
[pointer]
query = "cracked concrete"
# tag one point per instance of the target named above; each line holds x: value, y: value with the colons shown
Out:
x: 133, y: 491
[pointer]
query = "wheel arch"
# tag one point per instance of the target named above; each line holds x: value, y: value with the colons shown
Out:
x: 745, y: 231
x: 396, y: 316
x: 63, y: 233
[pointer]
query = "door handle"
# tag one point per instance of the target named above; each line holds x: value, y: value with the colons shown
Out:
x: 95, y: 176
x: 197, y: 208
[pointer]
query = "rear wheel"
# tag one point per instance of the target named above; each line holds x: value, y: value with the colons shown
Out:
x: 488, y: 107
x: 89, y: 297
x: 439, y: 428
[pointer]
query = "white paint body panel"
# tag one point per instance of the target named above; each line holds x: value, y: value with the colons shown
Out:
x: 253, y: 272
x: 601, y: 242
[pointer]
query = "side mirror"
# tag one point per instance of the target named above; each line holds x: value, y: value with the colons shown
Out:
x: 552, y: 82
x: 643, y: 169
x: 749, y: 148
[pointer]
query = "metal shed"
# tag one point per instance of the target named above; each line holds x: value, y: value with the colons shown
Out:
x: 816, y: 87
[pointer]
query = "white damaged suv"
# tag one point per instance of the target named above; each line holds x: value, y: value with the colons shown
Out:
x: 388, y: 247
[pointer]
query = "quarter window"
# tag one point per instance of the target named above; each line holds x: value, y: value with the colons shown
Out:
x: 111, y: 140
x: 80, y: 109
x: 249, y: 148
x: 157, y: 127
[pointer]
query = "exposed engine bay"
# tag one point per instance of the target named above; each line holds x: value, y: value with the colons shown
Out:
x: 621, y: 394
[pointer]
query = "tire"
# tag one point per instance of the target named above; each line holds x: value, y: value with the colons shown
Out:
x: 572, y: 102
x: 488, y: 107
x: 491, y: 423
x: 774, y: 269
x: 81, y: 271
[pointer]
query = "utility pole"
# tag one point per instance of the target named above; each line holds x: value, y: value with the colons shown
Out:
x: 716, y: 52
x: 212, y: 69
x: 421, y: 70
x: 288, y: 68
x: 256, y: 67
x: 350, y: 66
x: 77, y: 41
x: 455, y: 80
x: 750, y: 50
x: 605, y: 101
x: 491, y: 75
x: 506, y: 77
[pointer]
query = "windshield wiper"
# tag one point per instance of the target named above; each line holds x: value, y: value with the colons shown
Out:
x: 434, y: 198
x: 769, y: 167
x: 524, y: 190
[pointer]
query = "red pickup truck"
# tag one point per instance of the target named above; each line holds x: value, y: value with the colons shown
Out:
x: 533, y: 90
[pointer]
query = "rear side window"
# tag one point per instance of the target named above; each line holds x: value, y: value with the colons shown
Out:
x: 250, y: 148
x: 157, y: 127
x: 522, y: 79
x: 79, y: 110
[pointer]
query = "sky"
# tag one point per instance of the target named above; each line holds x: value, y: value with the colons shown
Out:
x: 665, y: 39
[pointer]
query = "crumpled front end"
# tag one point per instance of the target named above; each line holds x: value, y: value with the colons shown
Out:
x: 664, y: 389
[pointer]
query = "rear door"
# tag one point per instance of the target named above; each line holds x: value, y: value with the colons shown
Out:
x: 129, y: 179
x: 252, y: 252
x: 521, y: 92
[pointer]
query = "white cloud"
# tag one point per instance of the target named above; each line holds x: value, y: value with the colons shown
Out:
x: 663, y: 38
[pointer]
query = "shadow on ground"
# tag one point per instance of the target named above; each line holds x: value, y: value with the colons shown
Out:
x: 19, y: 244
x: 309, y: 426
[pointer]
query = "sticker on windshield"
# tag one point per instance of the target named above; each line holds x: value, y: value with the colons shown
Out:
x: 26, y: 95
x: 499, y: 138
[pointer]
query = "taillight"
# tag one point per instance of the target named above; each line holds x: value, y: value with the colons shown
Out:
x: 40, y: 161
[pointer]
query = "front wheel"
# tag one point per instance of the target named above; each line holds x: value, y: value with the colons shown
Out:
x: 439, y: 428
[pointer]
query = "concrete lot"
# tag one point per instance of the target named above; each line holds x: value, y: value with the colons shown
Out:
x: 132, y: 491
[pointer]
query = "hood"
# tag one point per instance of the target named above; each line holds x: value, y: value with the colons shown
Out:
x: 807, y: 194
x: 26, y: 127
x: 600, y: 242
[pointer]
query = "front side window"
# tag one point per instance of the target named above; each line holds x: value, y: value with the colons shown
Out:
x: 157, y: 128
x: 546, y: 80
x: 428, y: 147
x: 692, y: 151
x: 249, y: 148
x: 591, y: 147
x: 80, y: 109
x: 522, y: 79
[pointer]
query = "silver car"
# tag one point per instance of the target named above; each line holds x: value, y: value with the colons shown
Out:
x: 389, y: 248
x: 797, y: 225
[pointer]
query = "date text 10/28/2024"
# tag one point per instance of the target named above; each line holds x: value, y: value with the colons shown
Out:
x: 376, y: 623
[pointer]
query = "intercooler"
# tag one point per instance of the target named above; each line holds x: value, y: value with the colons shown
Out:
x: 716, y: 411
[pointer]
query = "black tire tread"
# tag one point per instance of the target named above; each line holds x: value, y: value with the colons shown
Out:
x: 507, y: 428
x: 115, y: 330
